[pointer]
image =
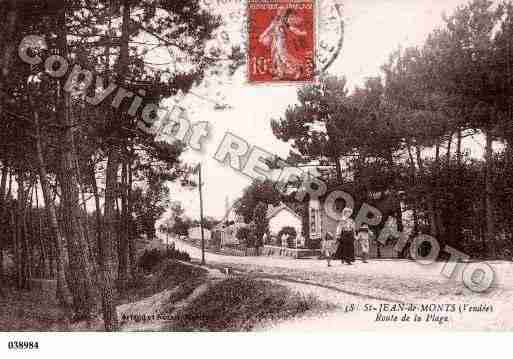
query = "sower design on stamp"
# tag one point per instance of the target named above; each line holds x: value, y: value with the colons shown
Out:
x: 281, y: 41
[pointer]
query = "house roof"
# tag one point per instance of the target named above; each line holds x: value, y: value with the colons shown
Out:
x: 226, y: 217
x: 273, y: 211
x: 235, y: 226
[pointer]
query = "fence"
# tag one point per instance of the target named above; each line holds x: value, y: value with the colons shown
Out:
x: 288, y: 252
x: 266, y: 250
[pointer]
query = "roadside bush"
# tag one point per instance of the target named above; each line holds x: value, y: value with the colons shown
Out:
x: 168, y: 274
x: 242, y: 234
x: 151, y: 258
x: 242, y: 304
x: 291, y: 231
x: 252, y: 241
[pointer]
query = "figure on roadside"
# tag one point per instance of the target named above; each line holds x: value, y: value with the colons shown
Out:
x: 363, y: 240
x: 329, y: 247
x: 346, y: 236
x: 284, y: 240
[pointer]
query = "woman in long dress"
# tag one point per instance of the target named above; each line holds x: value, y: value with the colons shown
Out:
x: 283, y: 30
x: 346, y: 236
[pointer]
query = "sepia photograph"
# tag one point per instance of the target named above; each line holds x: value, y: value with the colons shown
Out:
x: 263, y: 166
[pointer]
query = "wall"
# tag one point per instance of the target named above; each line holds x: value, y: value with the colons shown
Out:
x: 288, y: 252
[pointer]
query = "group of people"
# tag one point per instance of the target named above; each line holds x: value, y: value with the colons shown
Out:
x: 342, y: 243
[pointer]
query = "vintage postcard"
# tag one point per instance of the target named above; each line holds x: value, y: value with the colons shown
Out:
x: 254, y: 166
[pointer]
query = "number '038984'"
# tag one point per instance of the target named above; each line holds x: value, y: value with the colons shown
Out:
x: 22, y: 345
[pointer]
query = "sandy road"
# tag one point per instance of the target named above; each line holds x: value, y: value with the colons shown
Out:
x: 378, y: 284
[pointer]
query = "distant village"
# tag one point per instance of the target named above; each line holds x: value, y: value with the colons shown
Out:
x: 288, y: 227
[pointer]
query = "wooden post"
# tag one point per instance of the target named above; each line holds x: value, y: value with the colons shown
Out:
x: 201, y: 219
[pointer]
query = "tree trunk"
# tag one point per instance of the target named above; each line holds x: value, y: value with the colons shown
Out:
x: 454, y: 228
x: 413, y: 182
x: 420, y: 162
x: 449, y: 145
x: 123, y: 239
x: 458, y: 147
x: 436, y: 196
x: 6, y: 218
x: 85, y: 219
x: 83, y: 290
x: 3, y: 185
x: 13, y: 225
x: 130, y: 222
x: 429, y: 199
x: 6, y: 54
x: 18, y: 238
x: 98, y: 212
x: 63, y: 293
x: 108, y: 269
x: 490, y: 217
x: 3, y: 205
x: 1, y: 269
x: 107, y: 261
x: 27, y: 243
x: 45, y: 261
x: 78, y: 248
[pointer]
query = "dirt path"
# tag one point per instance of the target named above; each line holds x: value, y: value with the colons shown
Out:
x: 380, y: 282
x: 163, y: 302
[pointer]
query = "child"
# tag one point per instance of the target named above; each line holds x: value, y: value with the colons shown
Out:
x: 364, y: 241
x: 329, y: 247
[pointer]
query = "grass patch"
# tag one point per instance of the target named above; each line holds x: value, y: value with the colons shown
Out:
x: 240, y: 304
x: 29, y: 311
x: 166, y: 275
x: 152, y: 258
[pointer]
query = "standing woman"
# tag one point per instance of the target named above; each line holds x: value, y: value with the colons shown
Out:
x: 346, y: 236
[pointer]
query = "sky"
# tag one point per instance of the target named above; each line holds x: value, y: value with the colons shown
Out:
x: 374, y: 28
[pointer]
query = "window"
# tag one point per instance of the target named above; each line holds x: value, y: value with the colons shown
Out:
x: 315, y: 223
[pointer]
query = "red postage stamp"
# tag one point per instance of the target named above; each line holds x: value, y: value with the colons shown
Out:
x: 281, y: 40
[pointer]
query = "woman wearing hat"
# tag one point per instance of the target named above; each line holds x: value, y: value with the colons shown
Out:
x: 346, y: 236
x: 363, y: 240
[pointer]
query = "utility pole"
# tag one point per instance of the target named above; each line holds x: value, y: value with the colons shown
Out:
x: 201, y: 219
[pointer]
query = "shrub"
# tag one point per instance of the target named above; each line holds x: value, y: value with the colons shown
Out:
x: 252, y: 240
x: 260, y: 223
x: 291, y: 231
x: 168, y: 274
x: 242, y: 304
x: 242, y: 234
x: 151, y: 258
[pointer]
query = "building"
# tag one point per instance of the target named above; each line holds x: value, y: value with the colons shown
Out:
x: 284, y: 216
x: 226, y: 230
x: 195, y: 233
